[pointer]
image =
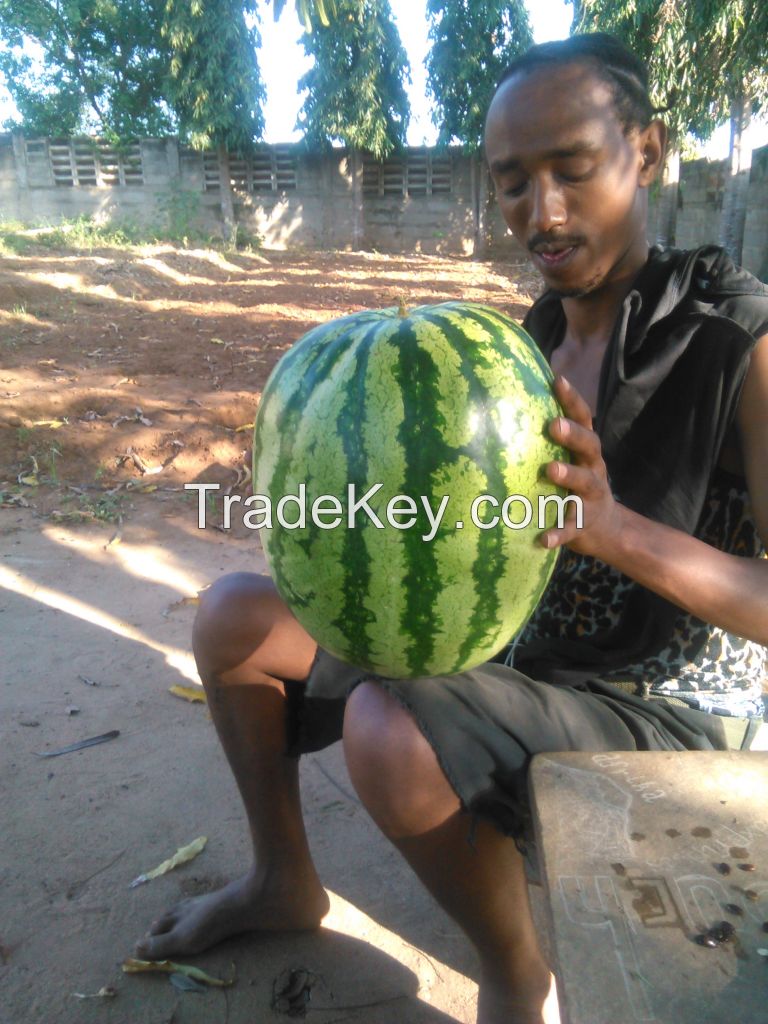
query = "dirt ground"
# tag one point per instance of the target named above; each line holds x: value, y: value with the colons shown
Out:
x: 124, y: 375
x: 131, y: 371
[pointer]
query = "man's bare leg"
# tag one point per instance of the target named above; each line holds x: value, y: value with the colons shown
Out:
x: 245, y: 641
x: 480, y: 884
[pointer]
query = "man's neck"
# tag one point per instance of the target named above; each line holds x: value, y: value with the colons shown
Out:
x: 590, y: 318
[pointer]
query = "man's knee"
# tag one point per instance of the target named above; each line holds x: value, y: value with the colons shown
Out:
x: 234, y: 616
x: 392, y: 766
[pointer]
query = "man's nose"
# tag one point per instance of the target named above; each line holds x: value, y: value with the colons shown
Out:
x: 548, y: 206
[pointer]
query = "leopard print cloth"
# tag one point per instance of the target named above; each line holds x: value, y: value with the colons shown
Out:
x: 702, y: 665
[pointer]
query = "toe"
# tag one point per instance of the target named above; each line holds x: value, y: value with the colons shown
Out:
x: 153, y: 948
x: 163, y: 924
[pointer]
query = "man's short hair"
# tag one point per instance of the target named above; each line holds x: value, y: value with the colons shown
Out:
x: 615, y: 64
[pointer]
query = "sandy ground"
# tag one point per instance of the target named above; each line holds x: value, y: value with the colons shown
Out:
x: 123, y: 376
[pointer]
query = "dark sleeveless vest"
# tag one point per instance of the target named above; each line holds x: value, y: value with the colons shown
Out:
x: 668, y: 393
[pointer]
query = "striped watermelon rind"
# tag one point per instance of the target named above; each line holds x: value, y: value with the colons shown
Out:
x: 452, y: 399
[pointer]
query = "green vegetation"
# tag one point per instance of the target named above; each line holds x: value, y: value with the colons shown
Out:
x: 214, y: 83
x: 84, y: 233
x: 707, y: 65
x: 106, y: 508
x: 104, y: 66
x: 472, y: 43
x: 356, y: 89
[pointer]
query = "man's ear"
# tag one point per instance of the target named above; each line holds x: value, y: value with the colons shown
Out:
x: 653, y: 149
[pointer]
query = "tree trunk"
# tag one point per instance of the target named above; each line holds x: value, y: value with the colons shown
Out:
x: 356, y: 165
x: 734, y: 213
x: 227, y: 201
x: 479, y: 193
x: 666, y: 221
x: 474, y: 192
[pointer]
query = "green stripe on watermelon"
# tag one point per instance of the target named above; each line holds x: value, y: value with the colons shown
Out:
x: 484, y: 449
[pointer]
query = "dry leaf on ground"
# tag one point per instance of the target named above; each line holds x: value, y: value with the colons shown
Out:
x: 182, y: 856
x: 133, y: 966
x: 194, y: 694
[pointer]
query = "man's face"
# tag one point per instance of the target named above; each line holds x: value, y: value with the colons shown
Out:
x: 568, y: 178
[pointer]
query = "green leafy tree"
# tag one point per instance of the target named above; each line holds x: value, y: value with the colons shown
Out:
x: 310, y: 12
x: 102, y: 69
x: 215, y: 85
x: 707, y: 64
x: 356, y: 88
x: 658, y: 32
x: 472, y: 43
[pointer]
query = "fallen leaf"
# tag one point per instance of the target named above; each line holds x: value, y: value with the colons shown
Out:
x: 105, y: 992
x: 139, y: 462
x: 53, y: 424
x: 185, y: 984
x: 74, y: 515
x: 245, y: 426
x: 292, y: 990
x: 115, y: 539
x: 81, y: 745
x: 133, y: 966
x: 182, y: 856
x: 12, y: 501
x: 181, y: 603
x: 190, y: 693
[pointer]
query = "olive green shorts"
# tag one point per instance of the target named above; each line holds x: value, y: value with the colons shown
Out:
x: 485, y: 725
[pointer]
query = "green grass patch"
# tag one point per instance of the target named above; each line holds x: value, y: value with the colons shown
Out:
x: 178, y: 226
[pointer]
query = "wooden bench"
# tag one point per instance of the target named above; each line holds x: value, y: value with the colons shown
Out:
x: 639, y: 854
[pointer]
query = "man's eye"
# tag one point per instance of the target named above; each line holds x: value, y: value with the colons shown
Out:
x: 574, y: 178
x: 514, y: 190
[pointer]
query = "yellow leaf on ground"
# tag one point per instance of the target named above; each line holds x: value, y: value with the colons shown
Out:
x: 182, y: 855
x: 194, y: 694
x: 183, y: 602
x: 133, y: 966
x: 245, y: 426
x: 105, y: 992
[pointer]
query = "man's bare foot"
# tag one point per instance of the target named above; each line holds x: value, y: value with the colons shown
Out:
x: 241, y: 906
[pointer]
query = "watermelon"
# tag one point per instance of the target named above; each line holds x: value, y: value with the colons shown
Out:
x: 439, y: 406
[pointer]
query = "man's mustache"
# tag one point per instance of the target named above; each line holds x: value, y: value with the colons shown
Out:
x: 563, y: 241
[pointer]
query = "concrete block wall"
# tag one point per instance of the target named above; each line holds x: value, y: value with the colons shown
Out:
x: 702, y: 186
x: 755, y: 251
x: 702, y: 190
x: 319, y: 212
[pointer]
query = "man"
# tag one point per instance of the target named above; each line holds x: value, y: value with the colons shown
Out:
x: 663, y: 351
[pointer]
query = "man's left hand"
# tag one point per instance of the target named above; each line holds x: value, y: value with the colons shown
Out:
x: 585, y: 476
